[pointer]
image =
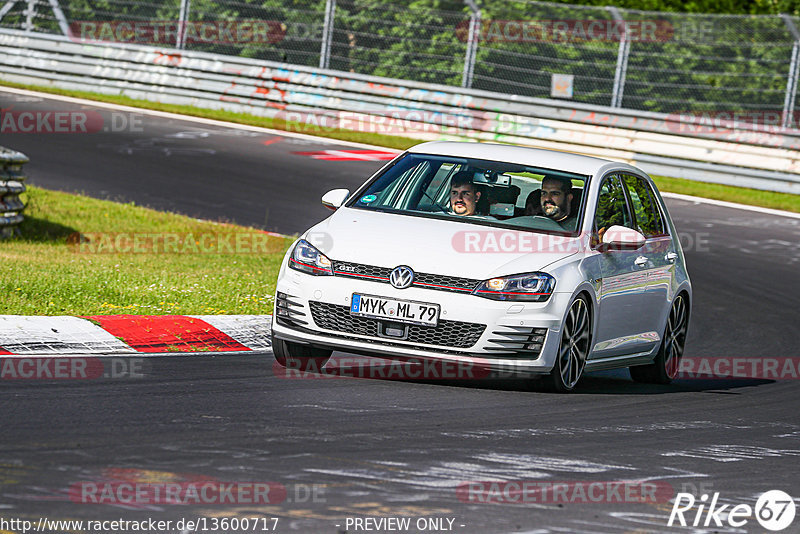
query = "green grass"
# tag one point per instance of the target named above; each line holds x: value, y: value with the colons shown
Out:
x: 742, y: 195
x: 49, y: 270
x: 768, y: 199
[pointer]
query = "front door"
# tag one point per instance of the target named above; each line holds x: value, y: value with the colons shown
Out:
x: 621, y: 326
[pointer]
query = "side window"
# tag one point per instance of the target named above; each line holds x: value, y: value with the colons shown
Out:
x: 645, y: 208
x: 611, y: 206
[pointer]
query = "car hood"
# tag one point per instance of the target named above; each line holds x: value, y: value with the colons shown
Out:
x: 436, y: 246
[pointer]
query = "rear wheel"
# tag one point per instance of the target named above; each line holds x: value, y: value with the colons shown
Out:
x: 665, y: 367
x: 573, y: 349
x: 299, y: 357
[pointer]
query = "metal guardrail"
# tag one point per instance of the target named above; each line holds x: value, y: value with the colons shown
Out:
x: 601, y: 55
x: 734, y: 154
x: 11, y: 186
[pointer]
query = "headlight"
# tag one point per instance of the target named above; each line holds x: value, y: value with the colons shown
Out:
x: 309, y: 260
x: 533, y: 287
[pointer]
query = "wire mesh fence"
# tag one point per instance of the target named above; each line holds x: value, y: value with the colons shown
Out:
x: 738, y: 65
x: 522, y: 45
x: 397, y: 41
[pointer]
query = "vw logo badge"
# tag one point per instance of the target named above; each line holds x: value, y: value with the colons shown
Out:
x: 401, y: 277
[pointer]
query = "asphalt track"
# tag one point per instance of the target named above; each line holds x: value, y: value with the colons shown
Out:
x: 385, y: 448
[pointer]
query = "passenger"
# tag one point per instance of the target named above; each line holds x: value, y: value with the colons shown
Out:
x: 533, y: 204
x: 556, y: 201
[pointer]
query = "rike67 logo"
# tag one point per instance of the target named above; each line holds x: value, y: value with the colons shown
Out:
x: 774, y: 510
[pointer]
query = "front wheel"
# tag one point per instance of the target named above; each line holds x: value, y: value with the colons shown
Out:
x: 299, y: 357
x: 665, y: 367
x: 573, y: 349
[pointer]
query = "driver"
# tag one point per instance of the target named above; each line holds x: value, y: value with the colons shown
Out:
x: 556, y: 201
x: 464, y: 195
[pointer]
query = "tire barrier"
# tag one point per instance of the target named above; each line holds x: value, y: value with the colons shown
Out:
x: 11, y: 187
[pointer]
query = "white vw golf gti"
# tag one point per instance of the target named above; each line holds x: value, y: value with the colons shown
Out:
x: 513, y: 259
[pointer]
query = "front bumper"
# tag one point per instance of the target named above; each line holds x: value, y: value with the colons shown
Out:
x: 499, y: 346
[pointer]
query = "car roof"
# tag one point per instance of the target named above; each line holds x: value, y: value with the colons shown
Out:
x: 535, y: 157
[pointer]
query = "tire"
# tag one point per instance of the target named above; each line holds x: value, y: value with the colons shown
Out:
x: 299, y: 357
x: 667, y: 362
x: 576, y: 337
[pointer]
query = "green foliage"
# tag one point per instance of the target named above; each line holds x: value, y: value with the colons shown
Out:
x: 413, y: 40
x: 743, y: 7
x: 738, y: 61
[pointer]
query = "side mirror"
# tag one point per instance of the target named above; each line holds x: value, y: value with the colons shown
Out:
x: 334, y: 198
x: 621, y: 238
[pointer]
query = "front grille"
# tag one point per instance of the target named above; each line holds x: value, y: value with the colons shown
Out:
x: 359, y: 270
x: 381, y: 274
x: 447, y: 283
x: 455, y: 334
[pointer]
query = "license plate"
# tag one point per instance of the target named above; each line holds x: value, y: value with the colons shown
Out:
x: 402, y: 311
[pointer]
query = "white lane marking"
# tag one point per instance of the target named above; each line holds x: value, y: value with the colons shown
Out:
x: 733, y: 205
x: 332, y: 408
x: 28, y: 335
x: 199, y: 120
x: 441, y: 475
x: 325, y: 140
x: 733, y: 453
x: 574, y: 431
x: 549, y: 463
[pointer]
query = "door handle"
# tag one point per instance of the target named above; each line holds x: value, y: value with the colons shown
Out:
x: 641, y: 261
x: 671, y: 257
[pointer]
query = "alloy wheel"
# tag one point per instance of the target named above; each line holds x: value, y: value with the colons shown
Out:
x: 675, y: 337
x: 574, y: 344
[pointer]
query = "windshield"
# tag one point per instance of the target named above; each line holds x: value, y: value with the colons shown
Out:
x: 490, y: 193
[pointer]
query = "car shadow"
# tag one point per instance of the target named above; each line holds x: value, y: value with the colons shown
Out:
x: 621, y: 383
x: 613, y: 382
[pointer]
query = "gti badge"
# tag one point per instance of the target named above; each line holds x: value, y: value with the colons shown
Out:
x: 401, y: 277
